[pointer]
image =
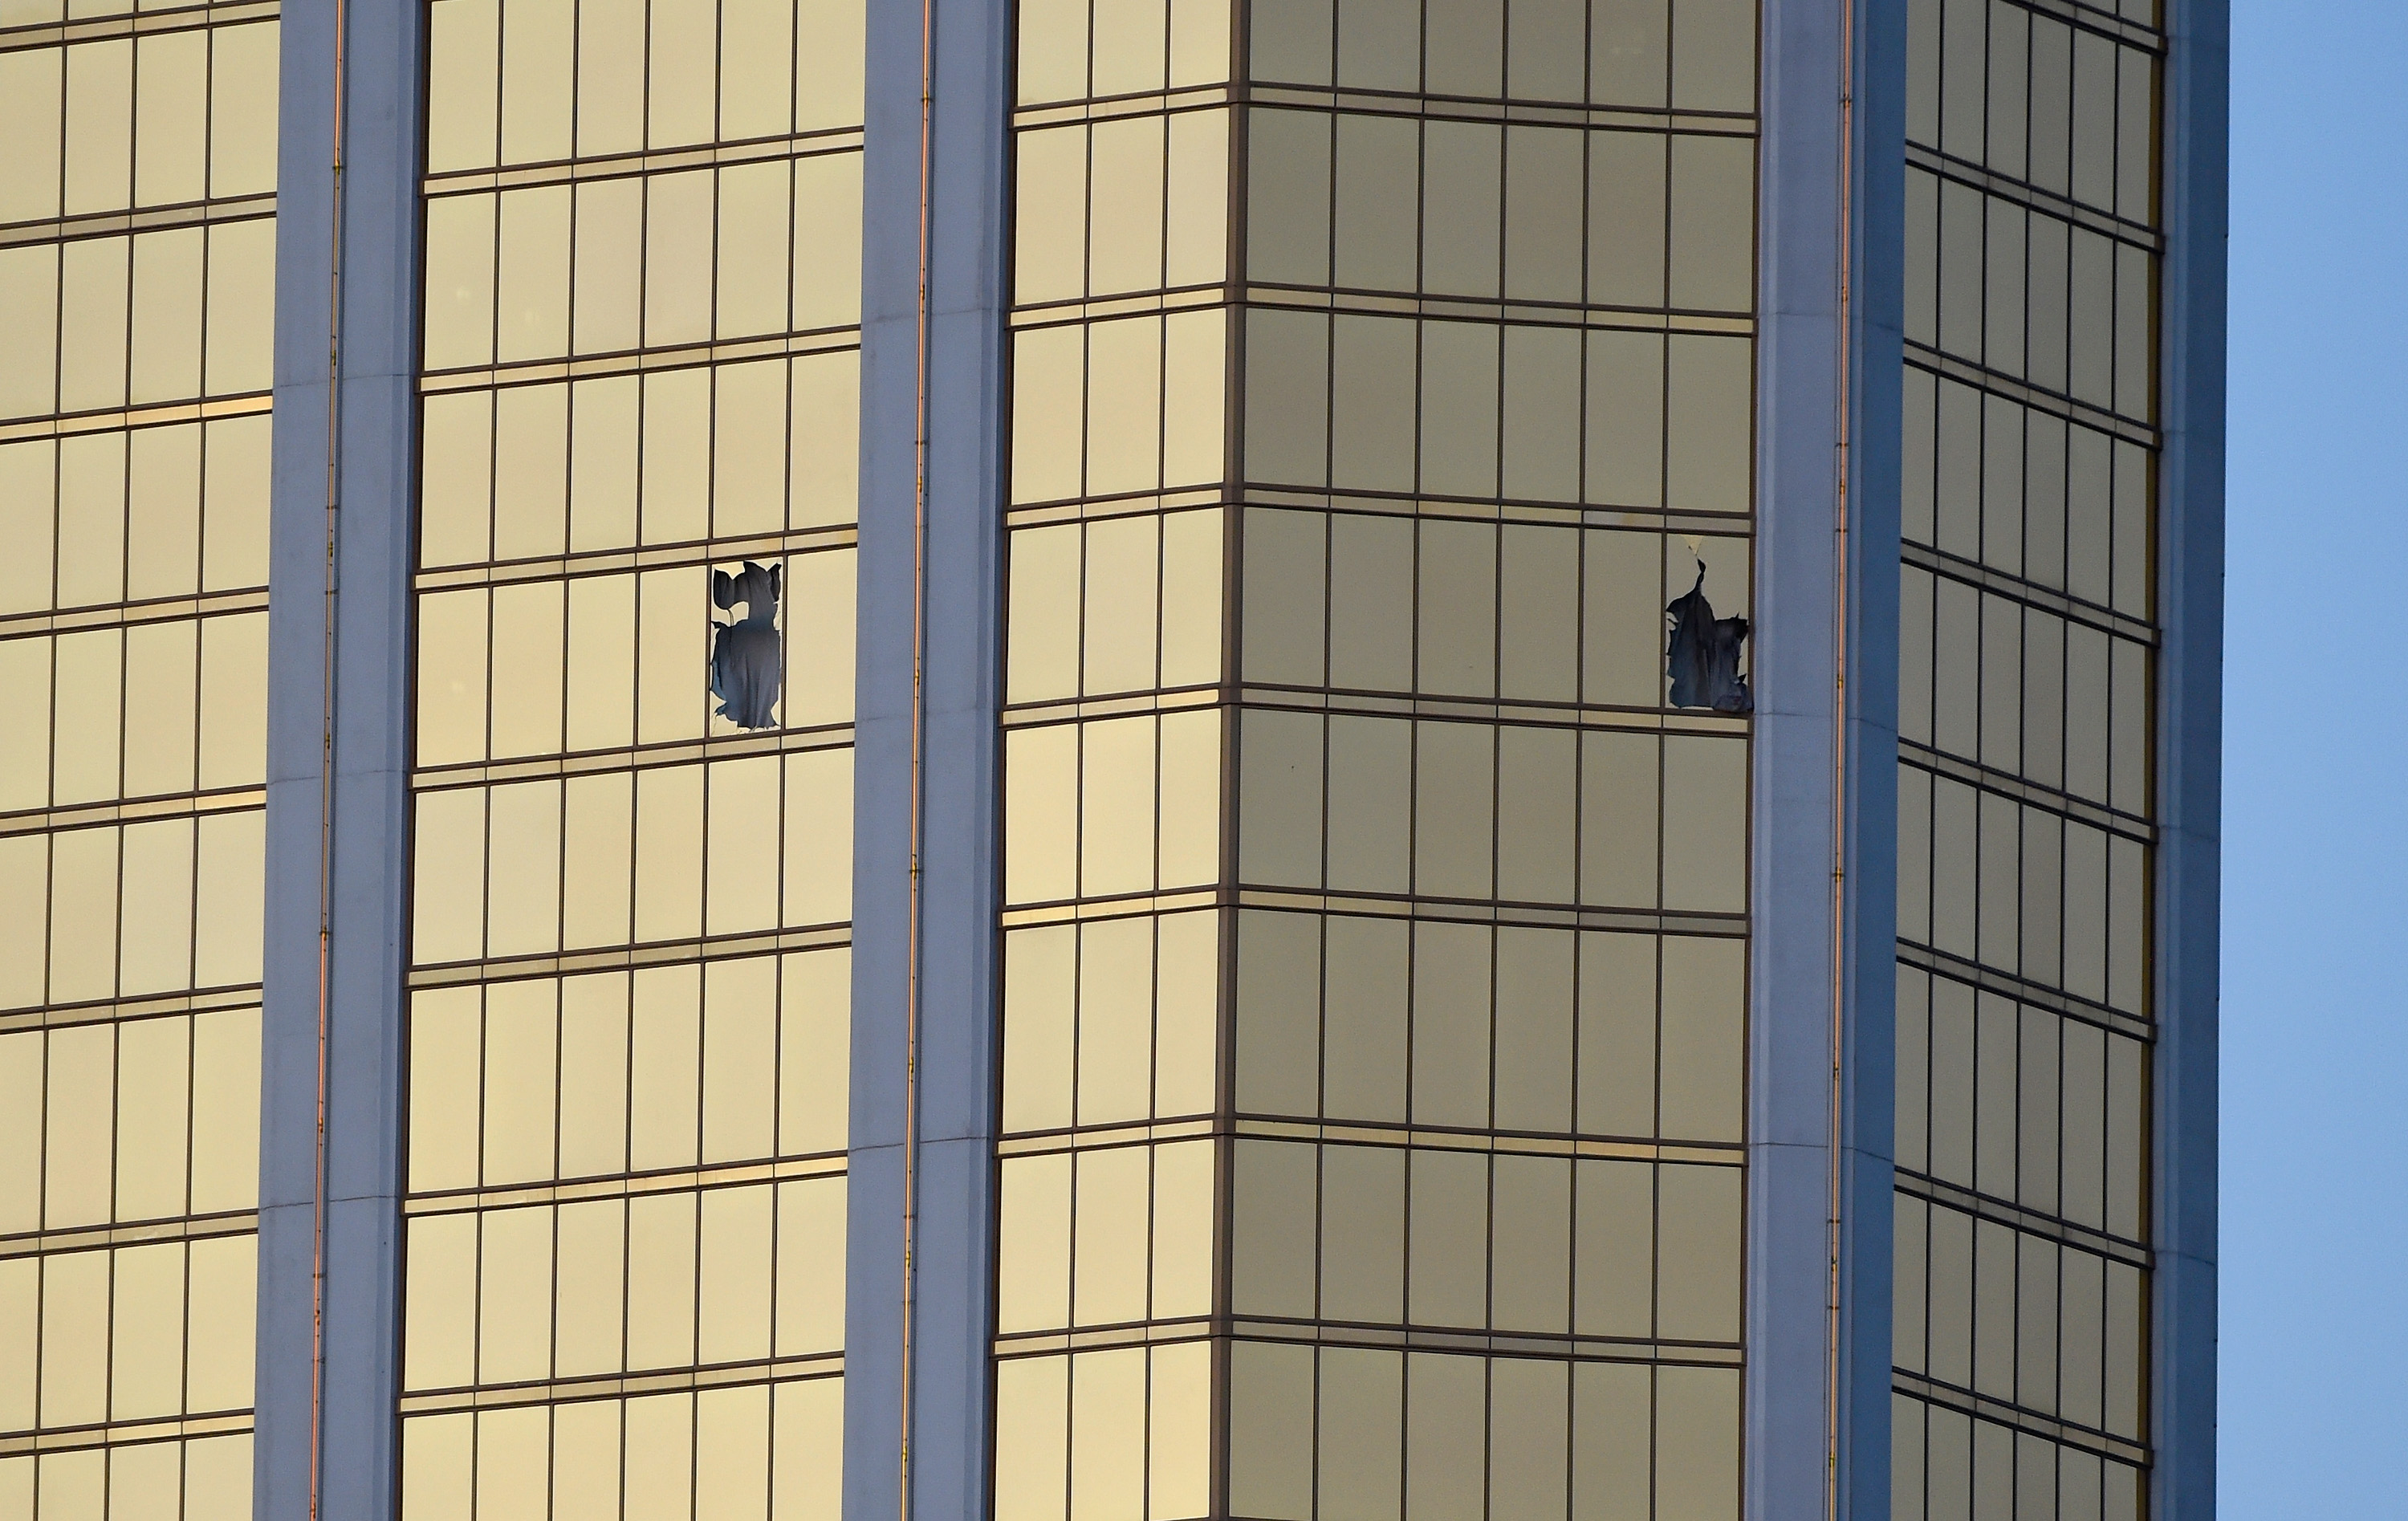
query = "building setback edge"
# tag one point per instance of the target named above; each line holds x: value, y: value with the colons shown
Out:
x: 2190, y: 717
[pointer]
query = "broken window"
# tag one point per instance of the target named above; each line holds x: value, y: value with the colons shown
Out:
x: 746, y: 660
x: 1703, y: 656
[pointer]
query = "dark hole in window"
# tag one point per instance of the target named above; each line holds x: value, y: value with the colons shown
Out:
x: 746, y: 662
x: 1702, y: 657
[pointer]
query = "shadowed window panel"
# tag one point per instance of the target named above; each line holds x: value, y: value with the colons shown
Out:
x: 2024, y: 1030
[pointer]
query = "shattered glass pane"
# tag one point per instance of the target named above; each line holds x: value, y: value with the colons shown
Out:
x: 1702, y: 657
x: 746, y: 660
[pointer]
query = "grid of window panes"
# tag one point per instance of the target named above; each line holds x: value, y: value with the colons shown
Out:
x: 136, y: 271
x: 2024, y: 1018
x: 1373, y: 933
x: 629, y: 1002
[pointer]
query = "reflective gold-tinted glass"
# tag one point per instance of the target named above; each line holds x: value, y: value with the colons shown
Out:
x: 1374, y: 940
x: 2025, y: 1021
x: 629, y: 1014
x: 136, y: 278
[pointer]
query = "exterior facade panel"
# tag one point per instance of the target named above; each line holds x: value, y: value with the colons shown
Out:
x: 629, y: 988
x: 137, y: 278
x: 2026, y: 719
x: 1311, y: 760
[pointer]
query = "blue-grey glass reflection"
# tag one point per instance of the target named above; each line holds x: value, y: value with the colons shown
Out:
x: 745, y: 659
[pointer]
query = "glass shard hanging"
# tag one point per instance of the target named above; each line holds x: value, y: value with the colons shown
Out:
x: 1702, y: 657
x: 746, y: 661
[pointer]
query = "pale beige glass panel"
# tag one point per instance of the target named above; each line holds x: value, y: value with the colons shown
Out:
x: 1115, y: 1020
x: 730, y: 452
x: 2030, y: 192
x: 607, y: 661
x: 153, y: 513
x: 130, y: 941
x: 684, y: 1123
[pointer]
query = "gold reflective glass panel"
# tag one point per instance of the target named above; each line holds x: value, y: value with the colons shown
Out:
x: 630, y: 998
x: 1347, y: 789
x: 136, y: 279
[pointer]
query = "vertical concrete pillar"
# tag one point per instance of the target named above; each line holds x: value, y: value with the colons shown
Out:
x: 951, y: 590
x: 361, y: 373
x: 1825, y: 758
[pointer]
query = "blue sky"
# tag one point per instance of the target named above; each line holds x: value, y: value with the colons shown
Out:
x: 2315, y: 864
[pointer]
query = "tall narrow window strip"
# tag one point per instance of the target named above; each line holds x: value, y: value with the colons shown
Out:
x: 2028, y: 640
x: 630, y: 1004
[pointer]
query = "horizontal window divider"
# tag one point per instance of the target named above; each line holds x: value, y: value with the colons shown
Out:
x: 127, y: 614
x: 1602, y: 515
x: 608, y: 562
x: 606, y: 762
x: 1426, y: 1137
x: 142, y: 24
x: 641, y: 361
x: 1104, y: 1338
x: 189, y: 804
x: 1398, y: 504
x: 1367, y: 1133
x: 1069, y: 314
x: 1110, y: 1137
x: 124, y: 1434
x: 2006, y: 985
x: 2030, y: 196
x: 1533, y: 112
x: 1992, y: 382
x: 2073, y: 608
x: 1642, y: 921
x: 661, y: 161
x: 1514, y: 313
x: 1376, y: 1337
x: 1098, y: 509
x: 2029, y: 1222
x: 1114, y: 107
x: 695, y: 1180
x: 141, y: 1233
x: 73, y: 425
x: 1037, y: 715
x: 1419, y: 1338
x: 620, y: 1385
x: 167, y: 1005
x: 2094, y: 18
x: 1484, y: 911
x: 1965, y: 1401
x: 1525, y: 714
x: 629, y: 958
x: 1088, y: 909
x: 2008, y: 784
x: 138, y: 219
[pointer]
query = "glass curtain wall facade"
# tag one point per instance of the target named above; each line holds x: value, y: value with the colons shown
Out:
x: 1380, y: 962
x: 2028, y: 765
x: 1374, y: 929
x: 136, y: 279
x: 629, y: 997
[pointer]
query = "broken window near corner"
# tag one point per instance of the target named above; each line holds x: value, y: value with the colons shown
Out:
x: 746, y: 656
x: 1703, y: 656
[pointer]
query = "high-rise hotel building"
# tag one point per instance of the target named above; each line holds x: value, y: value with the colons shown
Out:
x: 1108, y: 760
